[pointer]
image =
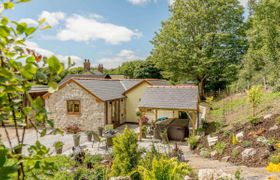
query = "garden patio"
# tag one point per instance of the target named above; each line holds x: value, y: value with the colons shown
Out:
x: 195, y: 161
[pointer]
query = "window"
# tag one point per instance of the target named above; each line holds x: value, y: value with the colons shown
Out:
x: 73, y: 107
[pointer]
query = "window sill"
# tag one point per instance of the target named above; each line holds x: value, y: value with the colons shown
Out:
x: 74, y: 114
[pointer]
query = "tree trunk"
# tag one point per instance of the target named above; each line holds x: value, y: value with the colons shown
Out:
x: 201, y: 86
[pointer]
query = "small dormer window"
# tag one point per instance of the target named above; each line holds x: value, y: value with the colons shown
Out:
x: 73, y: 107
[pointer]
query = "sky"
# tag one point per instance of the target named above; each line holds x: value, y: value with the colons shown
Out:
x: 107, y: 32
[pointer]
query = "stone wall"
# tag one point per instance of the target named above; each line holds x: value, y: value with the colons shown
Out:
x: 92, y: 113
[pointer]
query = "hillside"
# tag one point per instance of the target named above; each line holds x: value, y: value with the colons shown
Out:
x: 237, y: 109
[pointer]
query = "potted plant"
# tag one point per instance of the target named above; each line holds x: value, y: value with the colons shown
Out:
x: 75, y: 130
x: 100, y: 131
x: 58, y: 145
x: 89, y: 135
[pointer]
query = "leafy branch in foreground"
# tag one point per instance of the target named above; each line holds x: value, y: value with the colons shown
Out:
x: 20, y: 69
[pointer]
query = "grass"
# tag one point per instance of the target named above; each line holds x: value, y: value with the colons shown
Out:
x: 236, y: 108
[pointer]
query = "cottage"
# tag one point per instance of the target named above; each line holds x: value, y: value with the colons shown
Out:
x: 92, y: 102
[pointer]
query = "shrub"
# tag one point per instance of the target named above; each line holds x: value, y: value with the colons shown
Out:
x: 277, y: 120
x: 226, y: 133
x: 205, y: 153
x: 125, y: 152
x: 165, y: 168
x: 246, y: 144
x: 220, y: 147
x: 255, y: 97
x: 235, y: 152
x: 254, y: 121
x: 193, y: 141
x: 237, y: 174
x: 275, y: 159
x: 149, y: 156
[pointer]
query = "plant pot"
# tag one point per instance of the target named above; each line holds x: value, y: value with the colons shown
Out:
x: 76, y: 138
x: 100, y: 131
x: 89, y: 137
x: 58, y: 151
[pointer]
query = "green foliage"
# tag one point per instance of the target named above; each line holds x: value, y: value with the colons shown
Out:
x: 205, y: 38
x: 220, y: 147
x: 138, y: 69
x: 20, y: 69
x: 255, y: 96
x: 165, y: 169
x: 126, y: 154
x: 261, y: 65
x: 237, y: 174
x: 58, y: 144
x: 235, y: 152
x: 275, y: 159
x: 226, y: 133
x: 254, y: 120
x: 246, y: 144
x: 205, y: 153
x: 277, y: 120
x: 193, y: 141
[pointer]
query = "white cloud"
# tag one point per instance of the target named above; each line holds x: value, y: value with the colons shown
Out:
x: 123, y: 56
x: 52, y: 18
x: 44, y: 52
x: 139, y: 2
x: 29, y: 21
x: 80, y: 28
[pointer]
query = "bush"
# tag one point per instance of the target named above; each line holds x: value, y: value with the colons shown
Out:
x: 235, y: 152
x: 277, y: 120
x: 275, y: 159
x: 226, y: 133
x: 220, y: 147
x: 254, y: 121
x: 165, y: 168
x: 125, y: 152
x: 246, y: 144
x: 193, y: 141
x: 205, y: 153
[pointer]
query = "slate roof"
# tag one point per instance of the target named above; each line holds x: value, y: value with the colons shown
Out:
x: 129, y: 83
x: 70, y: 76
x: 104, y: 89
x: 170, y: 97
x: 35, y: 89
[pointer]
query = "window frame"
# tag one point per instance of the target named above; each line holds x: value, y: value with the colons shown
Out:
x: 73, y: 107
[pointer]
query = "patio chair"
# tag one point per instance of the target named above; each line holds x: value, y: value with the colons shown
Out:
x: 98, y: 139
x: 165, y: 140
x: 109, y: 127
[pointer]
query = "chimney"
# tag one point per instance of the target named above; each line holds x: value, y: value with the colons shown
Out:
x: 86, y: 65
x: 100, y: 68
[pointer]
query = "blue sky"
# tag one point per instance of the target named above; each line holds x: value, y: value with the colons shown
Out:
x: 104, y: 31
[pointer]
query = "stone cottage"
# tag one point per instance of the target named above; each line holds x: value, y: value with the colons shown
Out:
x: 92, y: 102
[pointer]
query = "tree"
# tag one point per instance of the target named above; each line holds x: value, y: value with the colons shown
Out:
x: 202, y: 41
x: 262, y: 61
x: 146, y: 69
x: 255, y: 96
x: 20, y: 68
